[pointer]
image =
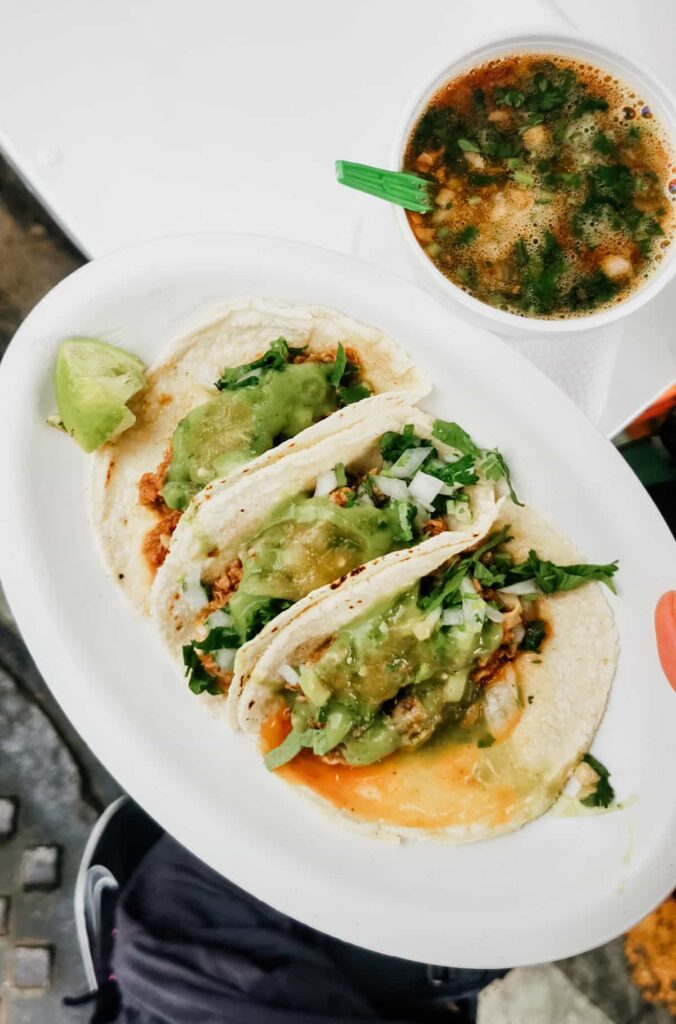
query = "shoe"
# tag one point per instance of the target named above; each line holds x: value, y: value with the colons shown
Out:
x: 118, y: 842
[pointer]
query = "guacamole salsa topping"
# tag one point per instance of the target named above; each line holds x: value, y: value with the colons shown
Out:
x: 258, y: 406
x: 551, y: 180
x: 442, y: 653
x: 416, y: 490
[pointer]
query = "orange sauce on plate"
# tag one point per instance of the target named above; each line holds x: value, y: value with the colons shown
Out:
x: 433, y: 788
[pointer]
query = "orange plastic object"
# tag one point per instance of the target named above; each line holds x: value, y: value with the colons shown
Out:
x: 665, y: 630
x: 651, y: 418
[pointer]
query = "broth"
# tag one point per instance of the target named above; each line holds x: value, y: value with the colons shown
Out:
x: 552, y: 182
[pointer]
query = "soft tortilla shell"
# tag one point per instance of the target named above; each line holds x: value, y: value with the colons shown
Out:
x: 210, y: 534
x: 244, y: 328
x: 568, y: 685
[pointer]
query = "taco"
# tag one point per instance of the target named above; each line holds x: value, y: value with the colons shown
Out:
x: 440, y: 696
x: 248, y: 550
x: 262, y: 380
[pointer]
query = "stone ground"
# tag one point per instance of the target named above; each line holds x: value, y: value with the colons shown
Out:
x: 52, y: 788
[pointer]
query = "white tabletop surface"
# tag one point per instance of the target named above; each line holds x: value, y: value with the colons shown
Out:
x: 143, y: 118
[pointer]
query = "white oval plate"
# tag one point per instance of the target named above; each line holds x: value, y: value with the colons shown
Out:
x: 558, y: 886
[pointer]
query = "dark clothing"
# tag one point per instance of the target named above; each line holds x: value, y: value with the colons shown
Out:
x: 191, y: 948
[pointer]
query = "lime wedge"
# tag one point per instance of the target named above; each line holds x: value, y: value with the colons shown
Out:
x: 93, y: 383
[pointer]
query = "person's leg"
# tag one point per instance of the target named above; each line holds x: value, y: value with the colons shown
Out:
x: 190, y: 946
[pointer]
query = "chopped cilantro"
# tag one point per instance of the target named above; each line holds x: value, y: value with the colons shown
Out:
x: 344, y: 376
x: 406, y: 512
x: 540, y: 275
x: 467, y: 146
x: 570, y: 180
x: 260, y: 612
x: 553, y: 578
x: 199, y: 680
x: 486, y: 741
x: 353, y: 393
x: 467, y: 235
x: 604, y: 793
x: 455, y: 437
x: 494, y: 467
x: 476, y: 178
x: 550, y: 90
x: 339, y: 367
x: 602, y: 144
x: 611, y: 184
x: 534, y: 635
x: 531, y: 121
x: 589, y: 105
x: 508, y: 97
x: 591, y: 290
x: 245, y: 376
x: 393, y: 445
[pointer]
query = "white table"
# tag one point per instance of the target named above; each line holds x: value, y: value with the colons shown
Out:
x: 143, y: 118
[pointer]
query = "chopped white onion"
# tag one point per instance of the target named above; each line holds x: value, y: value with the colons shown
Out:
x: 450, y: 489
x: 501, y: 702
x: 404, y: 520
x: 454, y: 687
x: 452, y: 455
x: 460, y: 510
x: 224, y: 658
x: 518, y: 633
x: 194, y: 594
x: 423, y: 629
x: 421, y: 514
x: 408, y: 463
x: 325, y: 483
x: 522, y: 587
x: 425, y: 488
x: 218, y: 618
x: 467, y: 587
x: 474, y: 612
x: 452, y: 617
x: 289, y: 675
x: 493, y: 614
x: 250, y: 375
x: 391, y: 487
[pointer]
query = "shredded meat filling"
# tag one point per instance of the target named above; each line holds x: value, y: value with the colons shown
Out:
x: 156, y: 541
x: 223, y: 677
x: 342, y: 496
x: 150, y: 485
x: 433, y: 527
x: 327, y: 357
x: 223, y: 588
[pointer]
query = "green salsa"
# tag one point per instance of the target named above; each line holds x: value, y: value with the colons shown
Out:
x: 552, y: 186
x: 411, y: 667
x: 260, y: 405
x: 395, y: 650
x: 305, y: 543
x: 236, y: 426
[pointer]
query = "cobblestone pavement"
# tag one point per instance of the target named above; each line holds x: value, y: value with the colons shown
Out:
x: 52, y: 787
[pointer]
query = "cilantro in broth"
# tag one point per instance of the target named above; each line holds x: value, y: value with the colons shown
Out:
x: 534, y: 148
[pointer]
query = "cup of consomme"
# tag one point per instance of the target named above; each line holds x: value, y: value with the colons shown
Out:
x: 554, y: 180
